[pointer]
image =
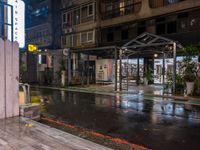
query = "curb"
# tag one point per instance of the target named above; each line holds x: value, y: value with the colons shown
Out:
x: 113, y: 93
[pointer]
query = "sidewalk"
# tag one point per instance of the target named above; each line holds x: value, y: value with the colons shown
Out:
x: 23, y: 134
x: 149, y: 91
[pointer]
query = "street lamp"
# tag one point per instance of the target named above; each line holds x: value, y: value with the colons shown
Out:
x: 155, y: 55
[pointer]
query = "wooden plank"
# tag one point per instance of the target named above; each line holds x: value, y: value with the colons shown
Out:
x: 2, y: 80
x: 9, y: 84
x: 15, y: 78
x: 14, y: 134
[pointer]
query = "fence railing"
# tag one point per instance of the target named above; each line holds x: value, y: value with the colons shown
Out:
x: 122, y: 11
x: 161, y: 3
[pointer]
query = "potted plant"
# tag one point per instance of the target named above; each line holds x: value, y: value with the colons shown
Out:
x: 189, y: 77
x: 190, y: 68
x: 48, y: 76
x: 148, y: 76
x: 62, y: 72
x: 179, y: 84
x: 196, y: 91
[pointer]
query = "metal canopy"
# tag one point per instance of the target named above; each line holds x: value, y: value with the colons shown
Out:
x: 148, y: 41
x: 104, y: 52
x: 95, y: 49
x: 147, y: 44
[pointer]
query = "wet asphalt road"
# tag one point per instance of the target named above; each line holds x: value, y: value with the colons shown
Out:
x: 159, y: 125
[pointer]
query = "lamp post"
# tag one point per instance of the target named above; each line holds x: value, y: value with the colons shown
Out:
x: 120, y: 69
x: 174, y: 68
x: 116, y: 66
x: 69, y: 68
x: 163, y: 69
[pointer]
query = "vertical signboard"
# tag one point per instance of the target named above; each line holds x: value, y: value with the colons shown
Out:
x: 18, y: 21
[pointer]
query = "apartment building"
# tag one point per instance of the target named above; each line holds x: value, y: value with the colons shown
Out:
x: 43, y: 30
x: 123, y: 20
x: 78, y: 23
x: 38, y: 27
x: 79, y: 31
x: 100, y: 23
x: 90, y: 24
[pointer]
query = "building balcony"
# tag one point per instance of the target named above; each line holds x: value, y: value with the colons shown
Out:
x: 162, y: 3
x: 122, y: 10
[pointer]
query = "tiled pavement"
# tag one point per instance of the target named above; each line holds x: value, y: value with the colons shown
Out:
x: 23, y: 134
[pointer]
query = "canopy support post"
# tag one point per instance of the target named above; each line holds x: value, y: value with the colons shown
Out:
x: 174, y: 68
x: 116, y: 65
x: 120, y: 70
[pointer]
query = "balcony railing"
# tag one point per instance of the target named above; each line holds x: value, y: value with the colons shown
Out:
x: 122, y: 11
x: 161, y: 3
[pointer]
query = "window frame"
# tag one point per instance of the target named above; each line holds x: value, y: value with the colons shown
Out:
x: 70, y: 15
x: 87, y: 10
x: 87, y: 37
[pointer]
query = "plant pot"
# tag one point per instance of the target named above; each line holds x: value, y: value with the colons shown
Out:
x: 146, y: 82
x: 189, y: 87
x: 63, y: 72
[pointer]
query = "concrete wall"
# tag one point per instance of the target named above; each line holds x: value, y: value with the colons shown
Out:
x: 9, y: 79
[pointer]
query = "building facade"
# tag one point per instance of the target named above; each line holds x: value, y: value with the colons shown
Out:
x: 125, y: 19
x: 78, y: 23
x: 79, y: 26
x: 79, y: 31
x: 43, y: 30
x: 39, y: 24
x: 92, y: 23
x: 88, y: 24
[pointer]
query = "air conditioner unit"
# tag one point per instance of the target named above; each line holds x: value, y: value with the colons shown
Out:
x: 68, y: 30
x: 68, y: 4
x: 65, y: 31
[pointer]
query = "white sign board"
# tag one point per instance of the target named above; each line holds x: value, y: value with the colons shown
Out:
x: 66, y: 52
x: 18, y: 21
x: 104, y: 70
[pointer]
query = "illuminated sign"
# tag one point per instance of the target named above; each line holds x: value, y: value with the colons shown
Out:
x: 32, y: 48
x: 18, y: 21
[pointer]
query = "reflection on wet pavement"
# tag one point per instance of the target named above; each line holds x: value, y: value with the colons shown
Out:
x: 160, y: 124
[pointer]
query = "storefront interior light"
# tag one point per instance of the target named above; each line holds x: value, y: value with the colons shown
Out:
x: 155, y: 55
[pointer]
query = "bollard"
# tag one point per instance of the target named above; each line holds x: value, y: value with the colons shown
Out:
x: 24, y: 95
x: 62, y: 78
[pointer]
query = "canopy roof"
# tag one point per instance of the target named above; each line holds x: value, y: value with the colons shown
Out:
x: 144, y: 45
x: 148, y: 40
x: 147, y: 44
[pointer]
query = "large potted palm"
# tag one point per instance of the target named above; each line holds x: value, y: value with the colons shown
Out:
x: 190, y: 68
x: 62, y: 72
x: 189, y: 76
x: 196, y: 91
